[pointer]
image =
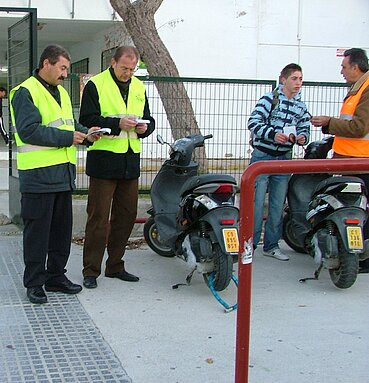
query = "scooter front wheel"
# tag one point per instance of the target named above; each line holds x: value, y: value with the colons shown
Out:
x: 152, y: 238
x: 289, y: 235
x: 223, y: 268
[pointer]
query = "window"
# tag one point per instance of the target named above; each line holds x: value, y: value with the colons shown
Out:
x: 106, y: 57
x: 77, y: 68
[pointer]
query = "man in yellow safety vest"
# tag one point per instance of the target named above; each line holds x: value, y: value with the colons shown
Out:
x: 113, y: 99
x: 46, y: 136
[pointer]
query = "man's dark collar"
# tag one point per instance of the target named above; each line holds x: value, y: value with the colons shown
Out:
x: 43, y: 82
x: 123, y: 83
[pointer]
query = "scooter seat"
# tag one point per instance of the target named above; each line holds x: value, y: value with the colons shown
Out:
x: 331, y: 181
x: 197, y: 181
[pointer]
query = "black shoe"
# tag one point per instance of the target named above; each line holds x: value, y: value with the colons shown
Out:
x: 66, y: 287
x: 90, y: 282
x: 36, y: 295
x: 124, y: 276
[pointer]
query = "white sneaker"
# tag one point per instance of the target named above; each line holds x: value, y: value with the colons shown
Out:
x: 277, y: 254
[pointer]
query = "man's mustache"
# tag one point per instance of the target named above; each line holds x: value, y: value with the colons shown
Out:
x: 61, y: 78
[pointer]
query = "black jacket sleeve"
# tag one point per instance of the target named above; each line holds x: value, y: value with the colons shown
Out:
x: 147, y: 116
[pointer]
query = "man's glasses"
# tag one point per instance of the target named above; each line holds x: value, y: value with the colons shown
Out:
x: 129, y: 70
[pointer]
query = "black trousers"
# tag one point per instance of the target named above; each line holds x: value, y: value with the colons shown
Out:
x: 3, y: 132
x: 47, y: 234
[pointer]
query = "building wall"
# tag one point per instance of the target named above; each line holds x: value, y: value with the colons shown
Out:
x: 66, y: 9
x: 256, y: 38
x: 250, y: 39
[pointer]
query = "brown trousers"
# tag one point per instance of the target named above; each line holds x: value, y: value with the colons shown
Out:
x: 112, y: 210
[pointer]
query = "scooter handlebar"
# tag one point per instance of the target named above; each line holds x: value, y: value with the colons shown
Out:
x: 208, y: 136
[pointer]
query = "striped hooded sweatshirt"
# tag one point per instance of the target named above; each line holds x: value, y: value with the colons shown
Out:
x: 264, y: 123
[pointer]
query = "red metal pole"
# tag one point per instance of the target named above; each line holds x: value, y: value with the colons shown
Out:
x: 140, y: 220
x: 346, y: 166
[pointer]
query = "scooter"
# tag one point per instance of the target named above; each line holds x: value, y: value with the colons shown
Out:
x: 194, y: 216
x: 325, y: 216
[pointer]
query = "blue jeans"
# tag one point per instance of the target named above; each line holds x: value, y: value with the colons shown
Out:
x: 277, y: 186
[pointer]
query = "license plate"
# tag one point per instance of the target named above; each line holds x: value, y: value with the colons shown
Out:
x: 354, y: 237
x: 231, y: 240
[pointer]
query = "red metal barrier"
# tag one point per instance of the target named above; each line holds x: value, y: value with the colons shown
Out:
x: 140, y: 220
x: 339, y: 166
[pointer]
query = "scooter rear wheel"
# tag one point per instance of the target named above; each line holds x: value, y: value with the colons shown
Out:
x: 345, y: 275
x: 223, y: 268
x: 152, y: 238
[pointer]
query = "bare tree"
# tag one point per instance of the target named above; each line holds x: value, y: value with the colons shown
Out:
x: 138, y: 18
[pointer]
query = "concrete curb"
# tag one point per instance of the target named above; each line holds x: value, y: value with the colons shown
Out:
x: 79, y: 219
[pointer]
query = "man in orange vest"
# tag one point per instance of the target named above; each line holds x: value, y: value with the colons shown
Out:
x: 351, y: 129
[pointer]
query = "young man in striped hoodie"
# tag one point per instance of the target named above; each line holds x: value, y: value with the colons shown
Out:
x: 275, y: 128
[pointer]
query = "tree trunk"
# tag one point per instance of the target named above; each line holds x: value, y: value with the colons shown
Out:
x: 138, y: 18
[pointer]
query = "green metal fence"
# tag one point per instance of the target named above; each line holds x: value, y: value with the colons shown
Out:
x: 222, y: 108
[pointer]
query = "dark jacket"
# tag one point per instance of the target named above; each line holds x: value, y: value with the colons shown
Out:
x: 50, y: 179
x: 105, y: 164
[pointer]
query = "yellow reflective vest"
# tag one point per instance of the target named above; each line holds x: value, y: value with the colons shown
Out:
x: 352, y: 147
x: 112, y: 105
x: 52, y: 115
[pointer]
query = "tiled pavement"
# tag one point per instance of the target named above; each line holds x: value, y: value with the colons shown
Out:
x: 55, y: 342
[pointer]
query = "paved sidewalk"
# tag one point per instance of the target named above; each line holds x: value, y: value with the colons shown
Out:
x: 147, y: 332
x: 55, y: 342
x: 150, y: 333
x: 302, y: 333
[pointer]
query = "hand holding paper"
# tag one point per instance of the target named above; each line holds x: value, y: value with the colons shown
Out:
x: 100, y: 131
x: 287, y: 130
x: 142, y: 121
x: 290, y: 132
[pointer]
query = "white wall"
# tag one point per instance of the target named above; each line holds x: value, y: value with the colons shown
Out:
x: 236, y: 38
x: 63, y: 9
x: 256, y: 38
x: 91, y: 50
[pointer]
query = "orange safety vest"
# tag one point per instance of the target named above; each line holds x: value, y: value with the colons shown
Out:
x: 352, y: 147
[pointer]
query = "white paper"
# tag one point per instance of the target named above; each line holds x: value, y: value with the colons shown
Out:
x: 141, y: 121
x: 100, y: 131
x: 288, y: 130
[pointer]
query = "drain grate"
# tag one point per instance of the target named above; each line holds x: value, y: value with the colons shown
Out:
x: 52, y: 343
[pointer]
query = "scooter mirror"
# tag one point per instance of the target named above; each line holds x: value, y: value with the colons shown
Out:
x: 160, y: 139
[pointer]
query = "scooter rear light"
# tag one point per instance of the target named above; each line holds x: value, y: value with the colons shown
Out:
x: 227, y: 222
x: 352, y: 221
x: 224, y: 189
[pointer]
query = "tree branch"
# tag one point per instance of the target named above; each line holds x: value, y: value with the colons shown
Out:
x: 156, y: 5
x: 140, y: 5
x: 138, y: 18
x: 147, y: 5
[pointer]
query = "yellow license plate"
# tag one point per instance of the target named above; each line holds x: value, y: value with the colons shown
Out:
x: 354, y: 237
x: 231, y: 240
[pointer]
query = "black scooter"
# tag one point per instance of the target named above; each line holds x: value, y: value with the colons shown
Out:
x: 194, y: 216
x: 325, y: 216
